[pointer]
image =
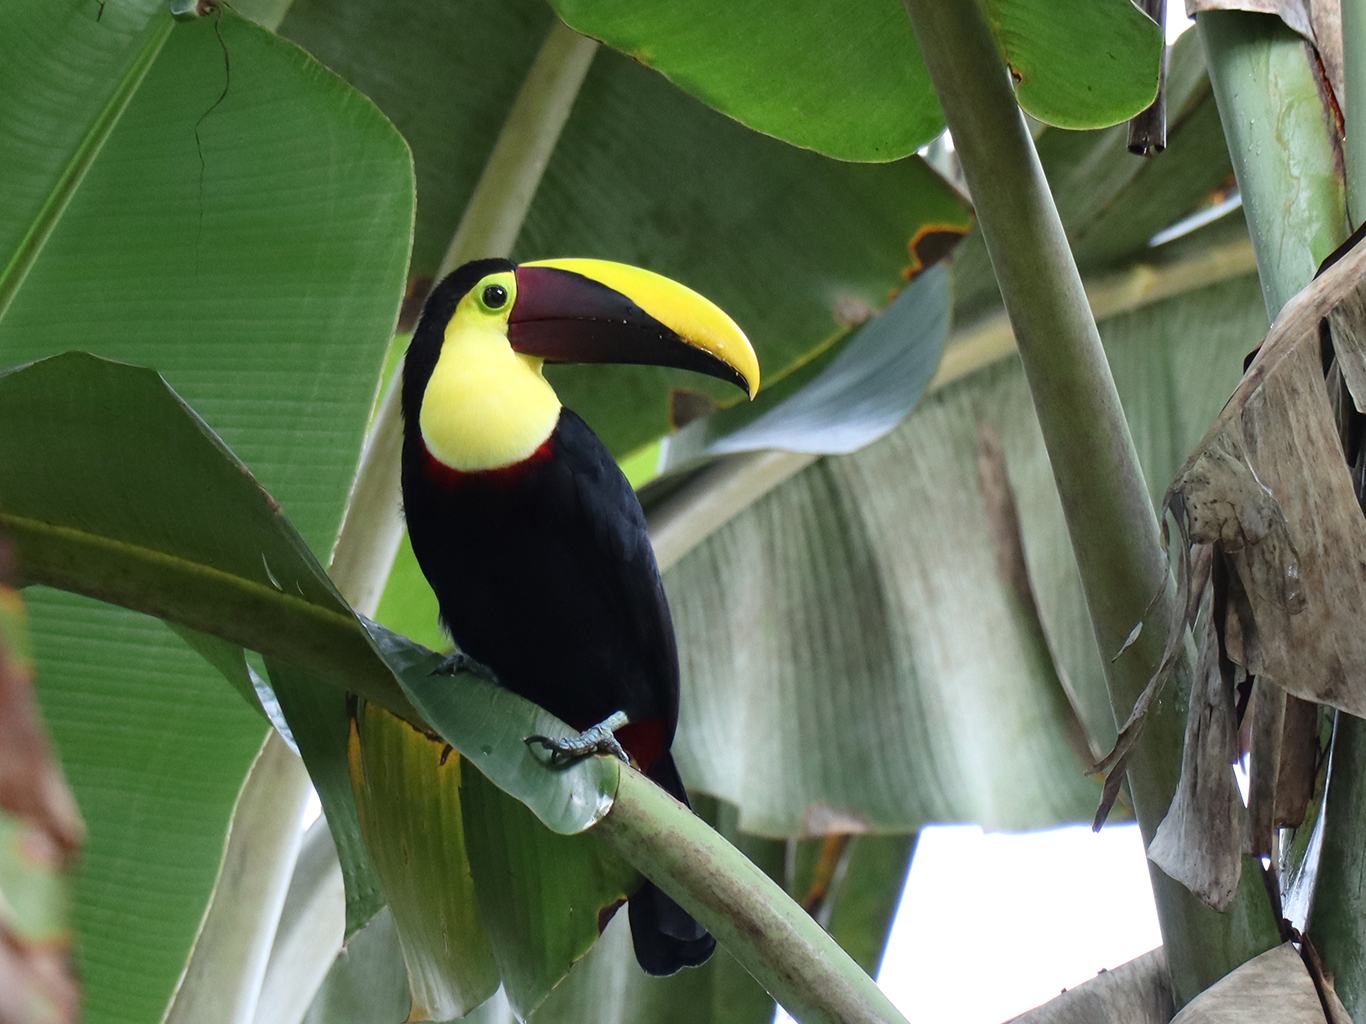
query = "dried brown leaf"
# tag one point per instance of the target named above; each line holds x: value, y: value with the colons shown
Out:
x: 1269, y: 493
x: 1200, y: 841
x: 1264, y: 764
x: 1347, y: 325
x: 1274, y: 988
x: 1299, y: 763
x: 1270, y: 488
x: 41, y: 829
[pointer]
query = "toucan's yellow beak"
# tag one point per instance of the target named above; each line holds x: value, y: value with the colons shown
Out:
x: 596, y: 311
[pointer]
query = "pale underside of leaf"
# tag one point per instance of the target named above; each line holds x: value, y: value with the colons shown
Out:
x: 862, y: 395
x: 309, y: 934
x: 907, y: 515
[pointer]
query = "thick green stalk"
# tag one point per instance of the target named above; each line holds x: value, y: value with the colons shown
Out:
x: 1337, y: 919
x: 774, y: 939
x: 1113, y: 528
x: 1289, y: 172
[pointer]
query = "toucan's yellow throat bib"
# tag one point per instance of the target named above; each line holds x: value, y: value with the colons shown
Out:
x: 485, y: 406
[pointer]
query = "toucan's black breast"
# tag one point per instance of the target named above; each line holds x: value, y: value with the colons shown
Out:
x: 544, y: 572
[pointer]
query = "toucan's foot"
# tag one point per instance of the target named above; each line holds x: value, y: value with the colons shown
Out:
x: 459, y: 662
x: 597, y: 740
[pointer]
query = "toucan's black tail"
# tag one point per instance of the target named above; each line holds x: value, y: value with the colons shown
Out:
x: 664, y: 935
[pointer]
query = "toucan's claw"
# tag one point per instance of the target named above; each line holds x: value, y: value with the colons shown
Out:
x: 459, y: 661
x: 597, y: 740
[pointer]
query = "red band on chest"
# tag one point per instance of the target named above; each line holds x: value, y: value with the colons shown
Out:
x: 504, y: 476
x: 644, y: 741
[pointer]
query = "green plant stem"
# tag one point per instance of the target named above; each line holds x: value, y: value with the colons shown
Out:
x: 780, y: 944
x: 1288, y: 169
x: 1337, y: 917
x: 1113, y: 528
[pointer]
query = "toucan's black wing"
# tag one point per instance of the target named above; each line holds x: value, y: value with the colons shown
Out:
x: 618, y: 558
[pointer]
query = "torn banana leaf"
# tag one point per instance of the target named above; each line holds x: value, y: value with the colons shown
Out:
x: 874, y: 590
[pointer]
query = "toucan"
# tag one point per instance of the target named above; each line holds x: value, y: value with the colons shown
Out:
x: 527, y: 530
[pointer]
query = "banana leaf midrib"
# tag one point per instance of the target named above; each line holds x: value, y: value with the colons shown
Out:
x: 240, y: 610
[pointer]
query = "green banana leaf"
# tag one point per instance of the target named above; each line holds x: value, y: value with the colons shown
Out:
x: 1110, y: 202
x: 408, y: 789
x: 159, y: 516
x: 885, y: 610
x: 317, y: 720
x: 858, y: 396
x: 135, y: 221
x: 794, y: 246
x: 848, y: 80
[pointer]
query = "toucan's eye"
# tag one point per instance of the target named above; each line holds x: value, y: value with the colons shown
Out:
x: 495, y: 295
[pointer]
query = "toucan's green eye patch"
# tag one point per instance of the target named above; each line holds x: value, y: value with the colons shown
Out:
x: 493, y: 296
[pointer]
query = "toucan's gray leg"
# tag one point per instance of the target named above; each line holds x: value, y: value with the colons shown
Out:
x: 597, y: 740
